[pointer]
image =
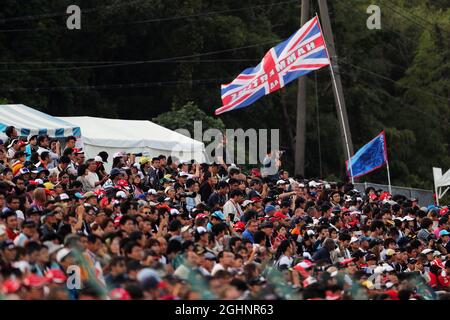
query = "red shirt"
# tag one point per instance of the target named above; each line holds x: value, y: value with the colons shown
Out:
x: 11, y: 234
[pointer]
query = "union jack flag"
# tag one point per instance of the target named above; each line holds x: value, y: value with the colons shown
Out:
x: 302, y: 53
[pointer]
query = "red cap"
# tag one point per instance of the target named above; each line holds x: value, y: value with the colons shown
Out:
x: 22, y: 143
x: 162, y: 285
x: 347, y: 261
x: 239, y: 226
x: 10, y: 286
x: 393, y: 294
x: 104, y: 202
x: 99, y: 192
x: 123, y: 183
x: 200, y: 215
x: 385, y: 195
x: 256, y: 199
x: 119, y: 294
x: 34, y: 281
x: 255, y: 172
x: 117, y: 220
x: 332, y: 296
x: 56, y: 276
x: 443, y: 211
x: 373, y: 196
x: 280, y: 215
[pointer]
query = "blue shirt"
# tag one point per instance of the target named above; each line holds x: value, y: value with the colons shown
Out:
x: 247, y: 235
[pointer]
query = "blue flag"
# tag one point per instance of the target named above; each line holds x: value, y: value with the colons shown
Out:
x: 369, y: 158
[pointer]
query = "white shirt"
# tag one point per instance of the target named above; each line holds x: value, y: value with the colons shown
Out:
x: 234, y: 208
x: 216, y: 268
x: 91, y: 179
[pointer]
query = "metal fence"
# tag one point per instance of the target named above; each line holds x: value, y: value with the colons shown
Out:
x: 425, y: 197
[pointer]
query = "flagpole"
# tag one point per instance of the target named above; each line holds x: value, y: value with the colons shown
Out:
x: 333, y: 80
x: 389, y: 177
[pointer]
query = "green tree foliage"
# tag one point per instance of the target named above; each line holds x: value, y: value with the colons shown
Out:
x: 184, y: 117
x: 134, y: 58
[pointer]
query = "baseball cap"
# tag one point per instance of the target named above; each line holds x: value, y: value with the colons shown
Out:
x: 24, y: 171
x: 118, y: 154
x: 168, y: 188
x: 28, y: 224
x: 63, y: 197
x: 281, y: 182
x: 218, y: 214
x: 390, y: 252
x: 444, y: 233
x: 144, y: 160
x: 115, y: 172
x: 62, y: 254
x: 121, y: 194
x: 201, y: 230
x: 55, y: 276
x: 266, y: 224
x: 354, y: 239
x: 239, y: 226
x: 269, y: 208
x: 152, y: 192
x: 371, y: 256
x: 88, y: 195
x: 427, y: 251
x: 174, y: 212
x: 8, y: 244
x: 98, y: 159
x: 13, y: 142
x: 209, y: 256
x: 247, y: 202
x: 119, y: 294
x: 280, y: 215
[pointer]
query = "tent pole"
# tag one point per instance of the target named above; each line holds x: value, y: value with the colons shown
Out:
x: 389, y: 177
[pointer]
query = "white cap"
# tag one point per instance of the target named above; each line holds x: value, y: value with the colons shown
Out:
x: 427, y: 251
x: 39, y: 181
x: 185, y: 228
x: 247, y: 202
x: 313, y: 184
x: 121, y: 194
x: 98, y: 159
x: 388, y: 268
x: 201, y: 230
x: 168, y: 188
x: 310, y: 232
x: 62, y: 253
x: 152, y: 192
x: 118, y: 154
x: 52, y: 247
x: 174, y: 212
x: 279, y: 182
x: 378, y: 270
x: 63, y: 196
x: 353, y: 239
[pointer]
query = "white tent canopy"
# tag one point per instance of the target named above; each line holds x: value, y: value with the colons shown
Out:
x: 134, y: 136
x: 28, y: 121
x: 441, y: 181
